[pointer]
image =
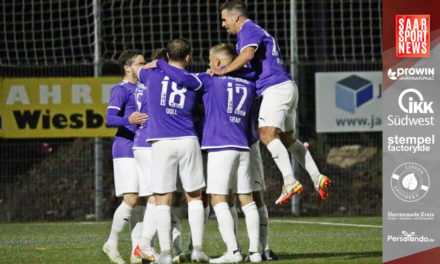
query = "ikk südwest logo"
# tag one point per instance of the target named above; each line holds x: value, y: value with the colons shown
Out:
x: 412, y: 35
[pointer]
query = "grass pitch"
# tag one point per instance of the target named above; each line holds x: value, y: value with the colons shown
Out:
x: 295, y: 240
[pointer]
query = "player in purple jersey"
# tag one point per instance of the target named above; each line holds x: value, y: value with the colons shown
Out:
x: 142, y: 154
x: 258, y: 50
x: 121, y: 113
x: 175, y: 148
x: 228, y: 101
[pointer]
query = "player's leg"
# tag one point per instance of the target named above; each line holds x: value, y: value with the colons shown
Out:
x: 191, y: 175
x: 163, y: 222
x: 277, y: 100
x: 126, y: 185
x: 258, y: 188
x: 145, y: 249
x: 233, y: 209
x: 221, y: 165
x: 267, y: 253
x: 136, y: 227
x: 176, y: 223
x: 120, y: 218
x: 206, y: 205
x: 302, y: 154
x: 248, y: 206
x: 163, y: 185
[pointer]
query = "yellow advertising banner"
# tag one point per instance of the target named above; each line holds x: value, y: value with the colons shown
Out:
x: 55, y: 107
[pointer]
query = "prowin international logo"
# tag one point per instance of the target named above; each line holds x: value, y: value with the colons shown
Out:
x: 413, y: 74
x: 412, y: 237
x: 410, y: 182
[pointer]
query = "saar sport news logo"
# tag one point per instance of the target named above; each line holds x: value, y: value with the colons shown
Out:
x: 412, y: 35
x: 412, y: 237
x: 410, y: 182
x: 412, y: 74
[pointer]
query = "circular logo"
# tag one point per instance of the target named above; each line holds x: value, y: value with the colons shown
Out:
x: 410, y: 182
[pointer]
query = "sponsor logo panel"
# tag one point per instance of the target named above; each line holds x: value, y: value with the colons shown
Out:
x: 411, y: 74
x: 410, y: 182
x: 55, y: 107
x: 412, y: 35
x: 409, y: 237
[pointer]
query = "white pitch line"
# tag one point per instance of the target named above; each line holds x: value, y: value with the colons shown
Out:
x: 324, y: 223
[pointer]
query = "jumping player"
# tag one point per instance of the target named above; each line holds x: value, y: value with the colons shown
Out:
x: 258, y: 50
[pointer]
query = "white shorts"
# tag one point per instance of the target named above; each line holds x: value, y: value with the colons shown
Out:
x: 126, y: 177
x: 172, y: 157
x: 278, y: 106
x: 228, y: 169
x: 256, y: 168
x: 143, y: 164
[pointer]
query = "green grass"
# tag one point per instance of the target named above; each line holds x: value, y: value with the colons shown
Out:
x: 81, y: 242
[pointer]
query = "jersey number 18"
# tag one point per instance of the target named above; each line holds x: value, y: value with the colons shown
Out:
x: 175, y: 93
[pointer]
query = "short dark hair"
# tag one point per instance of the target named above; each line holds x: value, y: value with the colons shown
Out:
x: 160, y: 54
x: 235, y: 6
x: 127, y: 58
x: 178, y: 49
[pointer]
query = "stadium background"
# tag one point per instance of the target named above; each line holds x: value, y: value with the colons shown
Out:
x: 54, y: 178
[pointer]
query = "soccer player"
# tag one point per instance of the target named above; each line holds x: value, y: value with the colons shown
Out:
x: 121, y: 114
x: 142, y: 155
x: 258, y: 50
x: 175, y: 149
x: 228, y: 101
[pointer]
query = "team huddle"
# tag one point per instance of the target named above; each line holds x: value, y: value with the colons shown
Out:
x: 166, y: 118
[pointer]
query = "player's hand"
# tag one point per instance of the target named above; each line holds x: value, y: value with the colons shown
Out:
x: 213, y: 72
x: 137, y: 118
x: 151, y: 65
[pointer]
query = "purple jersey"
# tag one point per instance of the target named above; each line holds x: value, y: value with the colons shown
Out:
x: 228, y: 101
x: 121, y: 105
x: 267, y: 61
x: 171, y: 105
x: 140, y: 139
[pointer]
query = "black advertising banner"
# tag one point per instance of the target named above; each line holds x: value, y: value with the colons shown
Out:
x: 411, y: 131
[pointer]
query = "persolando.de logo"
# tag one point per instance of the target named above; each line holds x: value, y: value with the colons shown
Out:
x: 412, y: 237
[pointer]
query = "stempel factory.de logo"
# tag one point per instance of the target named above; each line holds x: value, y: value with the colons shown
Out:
x: 412, y: 35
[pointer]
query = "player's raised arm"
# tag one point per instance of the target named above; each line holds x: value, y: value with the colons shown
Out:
x: 246, y: 55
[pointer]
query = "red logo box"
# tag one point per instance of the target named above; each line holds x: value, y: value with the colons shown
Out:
x: 412, y: 35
